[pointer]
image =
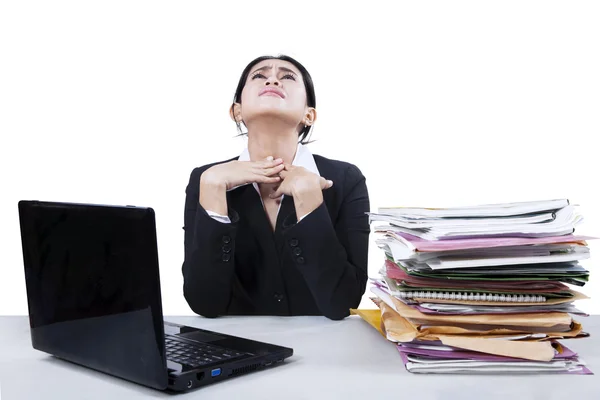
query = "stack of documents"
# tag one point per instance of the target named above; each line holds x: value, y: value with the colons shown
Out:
x: 482, y: 289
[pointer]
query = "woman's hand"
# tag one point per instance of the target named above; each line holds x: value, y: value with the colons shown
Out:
x: 216, y: 180
x: 236, y: 173
x: 298, y: 180
x: 304, y: 186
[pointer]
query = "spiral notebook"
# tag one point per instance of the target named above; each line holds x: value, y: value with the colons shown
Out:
x: 432, y: 294
x: 520, y: 322
x: 476, y: 298
x: 470, y: 296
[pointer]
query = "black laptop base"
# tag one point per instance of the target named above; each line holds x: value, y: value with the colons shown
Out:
x: 220, y: 356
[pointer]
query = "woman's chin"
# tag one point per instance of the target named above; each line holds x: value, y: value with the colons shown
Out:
x: 277, y: 113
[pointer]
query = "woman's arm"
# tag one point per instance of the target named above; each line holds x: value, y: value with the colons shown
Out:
x: 208, y: 266
x: 333, y: 257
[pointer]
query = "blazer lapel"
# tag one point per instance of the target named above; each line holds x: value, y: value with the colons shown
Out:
x: 250, y: 204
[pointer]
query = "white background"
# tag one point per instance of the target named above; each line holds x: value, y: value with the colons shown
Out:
x: 438, y: 103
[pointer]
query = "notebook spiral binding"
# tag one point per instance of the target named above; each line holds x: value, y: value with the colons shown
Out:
x: 506, y: 298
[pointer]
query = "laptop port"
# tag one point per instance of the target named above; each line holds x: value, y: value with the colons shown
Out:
x: 200, y: 375
x: 215, y: 372
x: 268, y: 363
x: 189, y: 384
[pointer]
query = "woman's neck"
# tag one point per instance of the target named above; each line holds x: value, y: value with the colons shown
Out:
x: 268, y: 141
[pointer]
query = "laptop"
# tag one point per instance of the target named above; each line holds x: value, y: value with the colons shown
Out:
x: 94, y: 299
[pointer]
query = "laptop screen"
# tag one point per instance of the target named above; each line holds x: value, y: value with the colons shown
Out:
x: 93, y: 284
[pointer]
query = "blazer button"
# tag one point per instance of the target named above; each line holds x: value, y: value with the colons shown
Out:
x: 226, y: 257
x: 226, y: 248
x: 300, y: 260
x: 294, y: 242
x: 297, y: 251
x: 226, y: 239
x: 278, y: 297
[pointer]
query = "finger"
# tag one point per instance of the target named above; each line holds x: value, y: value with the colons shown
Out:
x: 272, y: 171
x: 276, y: 193
x: 267, y: 179
x: 323, y: 183
x: 283, y: 173
x: 326, y: 184
x: 270, y: 163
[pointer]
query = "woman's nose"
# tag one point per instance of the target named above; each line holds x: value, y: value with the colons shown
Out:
x: 272, y: 81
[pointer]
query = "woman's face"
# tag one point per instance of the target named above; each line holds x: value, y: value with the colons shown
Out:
x: 274, y: 88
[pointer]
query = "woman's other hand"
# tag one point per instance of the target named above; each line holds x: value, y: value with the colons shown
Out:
x: 297, y: 181
x: 304, y: 186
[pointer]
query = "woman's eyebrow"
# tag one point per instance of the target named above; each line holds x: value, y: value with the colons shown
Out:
x: 287, y: 70
x: 266, y: 67
x: 263, y: 68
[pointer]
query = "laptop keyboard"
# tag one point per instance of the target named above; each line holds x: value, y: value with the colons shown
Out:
x: 197, y: 354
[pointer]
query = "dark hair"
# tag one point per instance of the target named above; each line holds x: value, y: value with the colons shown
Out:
x: 308, y: 85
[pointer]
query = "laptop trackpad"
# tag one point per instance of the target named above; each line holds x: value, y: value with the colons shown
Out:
x: 201, y: 336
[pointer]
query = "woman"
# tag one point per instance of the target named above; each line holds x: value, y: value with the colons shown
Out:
x: 275, y: 231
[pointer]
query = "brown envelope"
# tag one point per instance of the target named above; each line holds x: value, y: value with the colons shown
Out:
x: 541, y: 320
x: 373, y: 317
x: 399, y: 329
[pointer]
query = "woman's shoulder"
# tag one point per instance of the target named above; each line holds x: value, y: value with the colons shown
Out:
x: 341, y: 170
x: 201, y: 168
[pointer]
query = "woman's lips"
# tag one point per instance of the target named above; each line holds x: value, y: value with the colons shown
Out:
x: 271, y: 92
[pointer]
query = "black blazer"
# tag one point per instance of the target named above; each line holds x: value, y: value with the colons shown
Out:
x: 315, y: 267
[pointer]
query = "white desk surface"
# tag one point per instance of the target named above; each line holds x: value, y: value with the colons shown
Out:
x: 332, y: 360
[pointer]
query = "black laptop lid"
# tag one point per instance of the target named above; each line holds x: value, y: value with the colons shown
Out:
x: 93, y: 287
